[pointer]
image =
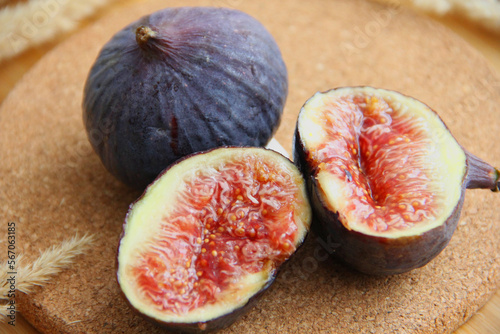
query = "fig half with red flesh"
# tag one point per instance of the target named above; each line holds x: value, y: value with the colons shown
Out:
x: 209, y: 235
x: 385, y: 176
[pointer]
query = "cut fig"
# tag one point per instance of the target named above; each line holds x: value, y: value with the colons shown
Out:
x: 209, y: 235
x: 385, y: 177
x: 179, y: 81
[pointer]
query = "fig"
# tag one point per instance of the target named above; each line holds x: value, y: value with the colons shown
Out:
x: 385, y: 176
x: 179, y: 81
x: 209, y: 235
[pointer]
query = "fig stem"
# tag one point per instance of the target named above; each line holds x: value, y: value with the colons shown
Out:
x: 143, y: 34
x: 481, y: 174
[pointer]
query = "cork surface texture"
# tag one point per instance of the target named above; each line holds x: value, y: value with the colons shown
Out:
x: 53, y: 185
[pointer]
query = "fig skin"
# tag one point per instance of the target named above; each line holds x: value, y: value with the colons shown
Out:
x: 228, y: 319
x: 179, y: 81
x: 376, y: 255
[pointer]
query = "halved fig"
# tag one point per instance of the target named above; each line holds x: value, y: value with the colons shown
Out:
x: 209, y: 235
x: 385, y: 176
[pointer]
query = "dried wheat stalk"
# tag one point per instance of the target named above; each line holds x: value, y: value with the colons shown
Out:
x: 51, y: 262
x: 485, y: 13
x: 26, y: 24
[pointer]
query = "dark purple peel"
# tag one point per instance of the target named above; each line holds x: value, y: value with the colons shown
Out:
x: 481, y: 175
x: 179, y: 81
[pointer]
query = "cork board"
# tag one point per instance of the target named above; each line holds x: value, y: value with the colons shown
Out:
x: 53, y: 185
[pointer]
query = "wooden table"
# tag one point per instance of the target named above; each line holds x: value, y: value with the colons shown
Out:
x: 486, y: 321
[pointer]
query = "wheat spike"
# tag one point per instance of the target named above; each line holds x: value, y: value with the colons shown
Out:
x: 51, y: 262
x: 34, y: 22
x: 484, y: 13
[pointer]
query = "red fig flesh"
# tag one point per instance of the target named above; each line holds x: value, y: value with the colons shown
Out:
x: 209, y: 235
x: 386, y: 177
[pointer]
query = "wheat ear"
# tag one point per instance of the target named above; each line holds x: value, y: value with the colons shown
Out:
x: 50, y: 263
x: 484, y: 13
x: 34, y: 22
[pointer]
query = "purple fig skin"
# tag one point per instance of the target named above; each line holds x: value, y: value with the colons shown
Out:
x: 376, y: 255
x: 226, y: 320
x: 179, y: 81
x: 481, y: 175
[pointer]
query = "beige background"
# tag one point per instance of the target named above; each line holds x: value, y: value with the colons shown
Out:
x: 486, y: 321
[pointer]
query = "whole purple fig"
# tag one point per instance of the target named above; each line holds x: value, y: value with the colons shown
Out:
x: 178, y: 81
